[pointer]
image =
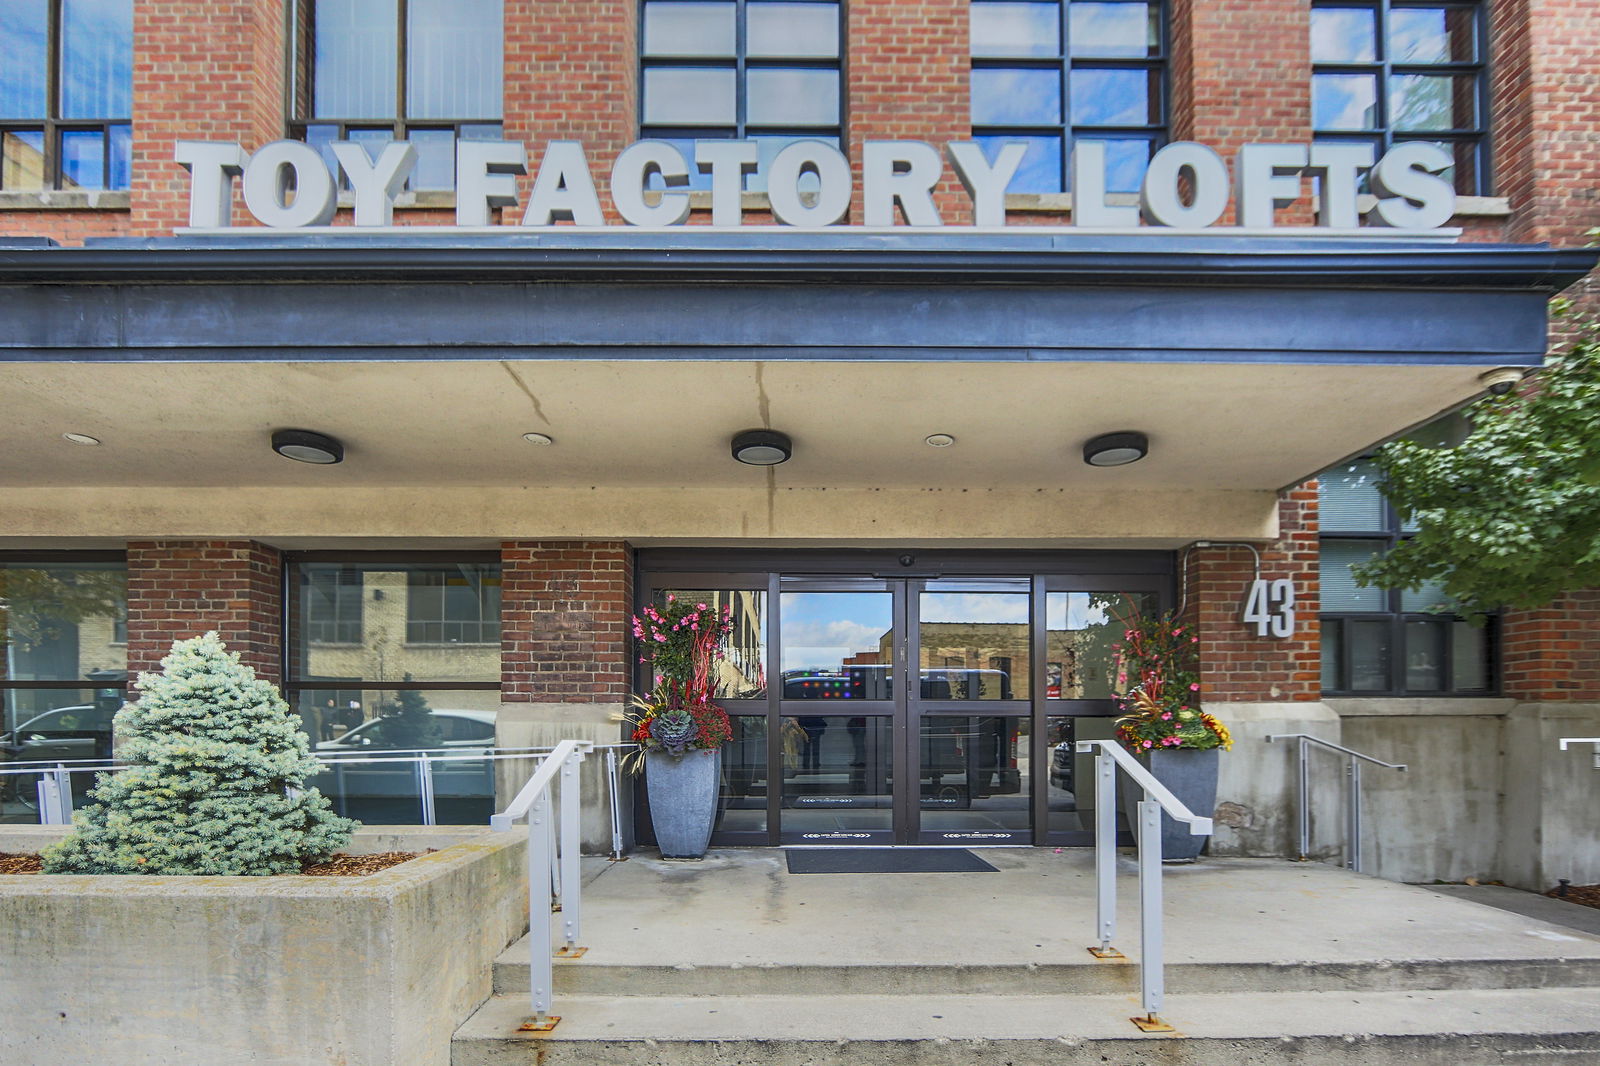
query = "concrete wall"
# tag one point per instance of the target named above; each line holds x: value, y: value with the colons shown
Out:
x: 1256, y: 786
x: 1551, y: 813
x: 544, y: 725
x: 281, y: 971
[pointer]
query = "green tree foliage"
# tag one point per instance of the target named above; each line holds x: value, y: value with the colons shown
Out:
x: 409, y: 723
x: 1511, y: 517
x: 216, y: 781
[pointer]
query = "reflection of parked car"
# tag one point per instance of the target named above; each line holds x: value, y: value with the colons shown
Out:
x: 1061, y: 766
x: 457, y: 729
x: 82, y: 731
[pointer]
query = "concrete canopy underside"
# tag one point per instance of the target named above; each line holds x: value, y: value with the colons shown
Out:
x: 183, y: 358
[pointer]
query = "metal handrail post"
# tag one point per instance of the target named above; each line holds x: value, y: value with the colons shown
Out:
x: 1303, y: 785
x: 48, y: 789
x: 541, y: 976
x: 430, y: 814
x: 1151, y: 980
x: 1105, y: 852
x: 63, y: 778
x: 1353, y: 828
x: 571, y: 875
x: 613, y: 793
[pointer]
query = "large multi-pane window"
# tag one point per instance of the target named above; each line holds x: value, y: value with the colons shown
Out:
x: 66, y: 94
x: 64, y: 670
x: 1403, y: 70
x: 372, y: 71
x: 1387, y: 641
x: 1047, y: 73
x: 763, y: 70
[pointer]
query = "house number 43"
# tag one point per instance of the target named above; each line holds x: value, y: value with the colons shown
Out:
x: 1270, y: 607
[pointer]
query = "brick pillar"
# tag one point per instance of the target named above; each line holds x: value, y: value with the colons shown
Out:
x: 564, y: 616
x: 907, y: 69
x: 1241, y: 74
x: 183, y: 588
x: 1235, y: 664
x: 1553, y: 653
x: 572, y: 73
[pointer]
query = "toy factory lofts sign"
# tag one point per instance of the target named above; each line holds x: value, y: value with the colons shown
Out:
x: 289, y: 185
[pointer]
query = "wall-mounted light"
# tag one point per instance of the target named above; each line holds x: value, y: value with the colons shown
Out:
x: 81, y: 438
x: 762, y: 447
x: 538, y: 438
x: 938, y: 440
x: 304, y: 446
x: 1116, y: 449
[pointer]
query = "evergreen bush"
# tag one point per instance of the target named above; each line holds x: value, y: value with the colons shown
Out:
x: 215, y: 782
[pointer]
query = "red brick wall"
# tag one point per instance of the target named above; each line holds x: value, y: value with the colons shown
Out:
x: 907, y: 72
x: 182, y: 588
x: 572, y: 73
x: 1241, y: 73
x: 564, y: 621
x: 1235, y: 664
x: 1553, y: 653
x: 204, y: 71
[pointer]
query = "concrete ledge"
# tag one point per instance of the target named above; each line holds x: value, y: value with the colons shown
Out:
x: 363, y: 971
x: 1417, y: 707
x: 65, y: 200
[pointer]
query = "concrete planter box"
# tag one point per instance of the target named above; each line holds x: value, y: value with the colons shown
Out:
x: 359, y: 971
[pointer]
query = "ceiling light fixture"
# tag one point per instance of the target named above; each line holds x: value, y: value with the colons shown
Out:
x: 81, y: 438
x: 538, y: 438
x: 762, y: 447
x: 1116, y: 449
x: 304, y: 446
x: 939, y: 440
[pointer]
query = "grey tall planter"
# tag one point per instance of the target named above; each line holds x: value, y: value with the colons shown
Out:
x: 1189, y: 775
x: 683, y: 800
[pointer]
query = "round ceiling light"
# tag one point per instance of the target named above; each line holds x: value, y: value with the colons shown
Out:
x: 304, y: 446
x: 762, y: 447
x: 81, y: 438
x: 538, y: 438
x: 939, y: 440
x: 1116, y: 449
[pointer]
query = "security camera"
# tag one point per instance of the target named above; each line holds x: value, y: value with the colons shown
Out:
x: 1501, y: 380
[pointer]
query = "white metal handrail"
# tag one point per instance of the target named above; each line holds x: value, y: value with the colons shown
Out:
x: 549, y: 863
x: 1157, y: 798
x: 1584, y: 740
x: 1352, y: 799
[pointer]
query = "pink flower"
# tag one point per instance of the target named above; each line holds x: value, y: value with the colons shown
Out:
x: 1148, y: 745
x: 1166, y: 716
x: 660, y: 638
x: 670, y: 597
x: 700, y: 606
x: 1194, y: 688
x: 1194, y: 640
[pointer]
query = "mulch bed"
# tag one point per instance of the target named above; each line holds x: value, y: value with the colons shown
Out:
x: 337, y: 866
x: 1586, y: 895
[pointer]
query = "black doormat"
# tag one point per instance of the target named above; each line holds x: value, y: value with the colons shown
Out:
x: 885, y: 861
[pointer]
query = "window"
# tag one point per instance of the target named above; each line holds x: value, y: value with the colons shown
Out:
x: 66, y: 94
x: 372, y: 71
x: 1386, y: 642
x: 1046, y: 73
x: 1397, y: 70
x: 333, y: 605
x: 459, y: 605
x: 763, y: 70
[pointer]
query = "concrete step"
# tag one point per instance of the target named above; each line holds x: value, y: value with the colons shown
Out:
x: 1453, y: 1027
x: 590, y: 976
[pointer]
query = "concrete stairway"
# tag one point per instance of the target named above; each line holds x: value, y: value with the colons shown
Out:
x: 1268, y: 963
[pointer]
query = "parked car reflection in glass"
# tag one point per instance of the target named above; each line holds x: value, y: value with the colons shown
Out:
x: 386, y: 792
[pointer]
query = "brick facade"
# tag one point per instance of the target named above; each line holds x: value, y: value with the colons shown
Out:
x: 1235, y: 664
x: 1553, y: 653
x: 564, y: 621
x: 182, y: 588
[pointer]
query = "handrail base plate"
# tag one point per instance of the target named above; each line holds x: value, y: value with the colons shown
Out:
x: 532, y: 1026
x: 573, y: 952
x: 1107, y: 953
x: 1152, y: 1023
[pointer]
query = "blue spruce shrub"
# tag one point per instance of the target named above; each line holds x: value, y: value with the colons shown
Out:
x: 216, y: 781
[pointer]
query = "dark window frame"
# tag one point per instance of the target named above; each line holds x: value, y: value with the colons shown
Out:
x: 1383, y: 68
x: 414, y: 619
x: 51, y: 126
x: 1158, y: 65
x: 298, y: 89
x: 741, y: 64
x: 1396, y: 618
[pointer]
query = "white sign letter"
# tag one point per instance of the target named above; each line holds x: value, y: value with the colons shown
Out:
x: 1159, y: 201
x: 633, y: 168
x: 212, y: 168
x: 486, y: 178
x: 1411, y: 195
x: 1089, y: 207
x: 564, y: 188
x: 375, y: 184
x: 1267, y: 176
x: 1338, y: 168
x: 833, y: 174
x: 727, y: 162
x: 267, y: 180
x: 899, y: 171
x: 986, y: 185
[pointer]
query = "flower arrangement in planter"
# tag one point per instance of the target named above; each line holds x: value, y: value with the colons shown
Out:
x: 679, y: 730
x: 1163, y: 724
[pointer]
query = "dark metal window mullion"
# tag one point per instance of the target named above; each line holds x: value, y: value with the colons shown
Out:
x: 52, y: 102
x: 1064, y: 70
x: 402, y: 44
x: 741, y: 70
